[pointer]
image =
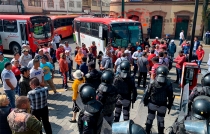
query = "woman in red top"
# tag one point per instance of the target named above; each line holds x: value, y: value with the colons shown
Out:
x: 64, y: 69
x: 200, y: 54
x: 16, y: 71
x: 152, y: 55
x: 94, y: 50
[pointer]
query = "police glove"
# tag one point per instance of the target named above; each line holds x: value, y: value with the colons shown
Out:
x: 169, y: 106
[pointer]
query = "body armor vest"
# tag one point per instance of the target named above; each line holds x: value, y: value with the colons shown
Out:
x: 17, y: 120
x: 203, y: 91
x: 109, y: 98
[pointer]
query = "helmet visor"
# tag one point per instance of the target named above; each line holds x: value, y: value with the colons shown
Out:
x: 161, y: 78
x: 123, y: 74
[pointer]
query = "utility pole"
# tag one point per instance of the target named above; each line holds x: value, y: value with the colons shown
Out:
x: 101, y: 7
x: 193, y: 29
x: 67, y: 8
x: 123, y: 8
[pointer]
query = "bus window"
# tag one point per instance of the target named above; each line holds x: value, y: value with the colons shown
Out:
x: 1, y: 26
x: 69, y: 22
x: 94, y: 29
x: 10, y: 26
x: 85, y: 28
x: 57, y: 24
x: 63, y: 22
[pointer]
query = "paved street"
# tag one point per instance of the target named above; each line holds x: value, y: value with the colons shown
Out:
x: 60, y: 105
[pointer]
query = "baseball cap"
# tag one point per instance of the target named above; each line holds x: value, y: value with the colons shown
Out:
x: 60, y: 45
x: 156, y: 37
x: 172, y: 40
x: 24, y: 69
x: 138, y: 48
x: 24, y: 45
x: 127, y: 52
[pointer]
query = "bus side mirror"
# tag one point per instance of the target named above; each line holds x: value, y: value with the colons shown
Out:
x: 31, y: 30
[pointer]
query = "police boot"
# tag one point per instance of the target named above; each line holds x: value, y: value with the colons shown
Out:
x: 148, y: 128
x: 160, y: 130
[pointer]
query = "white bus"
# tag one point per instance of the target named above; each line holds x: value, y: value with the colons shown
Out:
x: 117, y: 31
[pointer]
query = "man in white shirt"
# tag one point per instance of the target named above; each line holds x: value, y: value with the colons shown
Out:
x: 181, y: 37
x: 67, y: 47
x: 57, y: 39
x: 9, y: 83
x: 135, y: 57
x: 37, y: 72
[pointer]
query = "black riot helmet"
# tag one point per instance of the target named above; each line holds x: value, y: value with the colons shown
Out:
x: 87, y: 93
x: 201, y: 107
x: 137, y: 129
x: 125, y: 69
x: 107, y: 77
x: 205, y: 81
x: 161, y: 74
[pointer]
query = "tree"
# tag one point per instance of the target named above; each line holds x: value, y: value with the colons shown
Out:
x: 205, y: 17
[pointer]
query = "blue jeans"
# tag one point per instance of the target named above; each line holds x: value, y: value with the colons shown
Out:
x: 178, y: 75
x: 11, y: 95
x: 181, y: 41
x: 77, y: 67
x: 199, y: 63
x: 70, y: 69
x: 17, y: 89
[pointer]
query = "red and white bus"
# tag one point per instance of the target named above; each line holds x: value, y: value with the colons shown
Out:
x: 63, y: 25
x: 16, y: 30
x: 117, y: 31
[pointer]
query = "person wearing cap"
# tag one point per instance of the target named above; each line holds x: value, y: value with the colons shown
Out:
x: 59, y: 51
x: 180, y: 59
x: 3, y: 60
x: 156, y: 41
x: 171, y: 49
x: 25, y: 57
x: 93, y: 77
x: 181, y: 37
x: 94, y: 50
x: 143, y: 68
x: 157, y: 49
x: 9, y: 83
x: 63, y: 65
x: 119, y: 61
x: 68, y: 60
x: 16, y: 57
x: 48, y: 73
x: 24, y: 81
x: 79, y: 79
x: 135, y: 57
x: 38, y: 103
x: 57, y: 39
x: 16, y: 71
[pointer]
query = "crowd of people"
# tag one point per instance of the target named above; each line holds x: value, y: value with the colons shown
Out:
x: 27, y: 76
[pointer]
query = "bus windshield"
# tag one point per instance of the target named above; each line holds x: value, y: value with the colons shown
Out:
x: 42, y: 27
x: 123, y: 34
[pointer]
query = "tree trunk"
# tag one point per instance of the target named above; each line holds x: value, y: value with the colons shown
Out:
x: 205, y: 19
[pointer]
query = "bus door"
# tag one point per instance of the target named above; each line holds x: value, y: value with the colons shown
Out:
x: 78, y: 31
x: 23, y: 32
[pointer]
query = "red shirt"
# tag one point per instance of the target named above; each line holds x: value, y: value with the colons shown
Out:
x: 163, y: 46
x: 200, y: 54
x: 155, y: 42
x: 16, y: 70
x: 114, y: 58
x: 58, y: 52
x: 119, y: 54
x: 179, y: 61
x: 154, y: 68
x: 63, y: 65
x: 150, y: 59
x: 94, y: 50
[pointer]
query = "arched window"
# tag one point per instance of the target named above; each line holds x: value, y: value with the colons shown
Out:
x: 50, y: 3
x: 62, y: 4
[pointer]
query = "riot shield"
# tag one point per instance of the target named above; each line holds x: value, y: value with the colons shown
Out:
x: 184, y: 103
x: 106, y: 128
x: 196, y: 126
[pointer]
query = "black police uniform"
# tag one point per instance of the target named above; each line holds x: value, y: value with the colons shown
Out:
x: 90, y: 118
x: 93, y: 78
x: 158, y: 93
x: 204, y: 90
x: 106, y: 94
x: 126, y: 91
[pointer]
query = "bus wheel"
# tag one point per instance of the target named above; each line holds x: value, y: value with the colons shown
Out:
x: 16, y: 48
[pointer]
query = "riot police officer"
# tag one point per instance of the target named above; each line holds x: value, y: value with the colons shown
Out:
x: 90, y: 118
x: 158, y: 92
x: 93, y: 77
x: 204, y: 90
x: 127, y: 127
x: 106, y: 94
x: 126, y: 91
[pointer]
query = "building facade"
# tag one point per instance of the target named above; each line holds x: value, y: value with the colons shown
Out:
x: 162, y: 16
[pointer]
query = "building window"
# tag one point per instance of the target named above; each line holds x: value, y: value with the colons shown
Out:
x: 94, y: 2
x: 10, y: 26
x: 50, y: 3
x: 9, y: 2
x: 35, y: 3
x: 79, y: 4
x: 85, y: 2
x: 99, y: 3
x: 62, y: 4
x: 71, y: 3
